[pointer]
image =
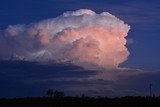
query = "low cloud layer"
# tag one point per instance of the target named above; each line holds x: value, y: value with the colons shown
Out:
x: 23, y: 78
x: 80, y: 37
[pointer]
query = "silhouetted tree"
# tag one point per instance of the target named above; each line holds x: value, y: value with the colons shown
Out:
x: 83, y: 96
x: 58, y: 94
x: 50, y: 93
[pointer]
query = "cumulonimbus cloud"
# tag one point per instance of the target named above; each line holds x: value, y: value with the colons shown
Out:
x: 81, y: 37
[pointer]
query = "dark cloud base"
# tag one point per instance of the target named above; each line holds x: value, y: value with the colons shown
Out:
x: 22, y: 79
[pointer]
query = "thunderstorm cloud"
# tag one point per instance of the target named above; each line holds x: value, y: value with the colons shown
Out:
x: 81, y: 37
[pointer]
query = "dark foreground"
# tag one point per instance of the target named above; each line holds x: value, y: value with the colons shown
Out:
x: 82, y: 102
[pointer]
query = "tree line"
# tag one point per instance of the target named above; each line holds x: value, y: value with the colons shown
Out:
x: 55, y: 94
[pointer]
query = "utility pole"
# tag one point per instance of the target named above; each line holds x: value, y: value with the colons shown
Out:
x: 150, y: 89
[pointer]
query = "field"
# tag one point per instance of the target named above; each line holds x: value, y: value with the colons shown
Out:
x: 81, y: 102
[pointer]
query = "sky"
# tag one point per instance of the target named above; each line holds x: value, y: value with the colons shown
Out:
x: 27, y: 78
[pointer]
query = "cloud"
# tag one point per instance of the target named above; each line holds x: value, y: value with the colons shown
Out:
x: 76, y: 49
x: 80, y: 37
x: 33, y: 79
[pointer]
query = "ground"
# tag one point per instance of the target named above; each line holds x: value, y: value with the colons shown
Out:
x: 81, y: 102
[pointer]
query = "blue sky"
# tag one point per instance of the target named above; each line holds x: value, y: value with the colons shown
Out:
x: 142, y: 15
